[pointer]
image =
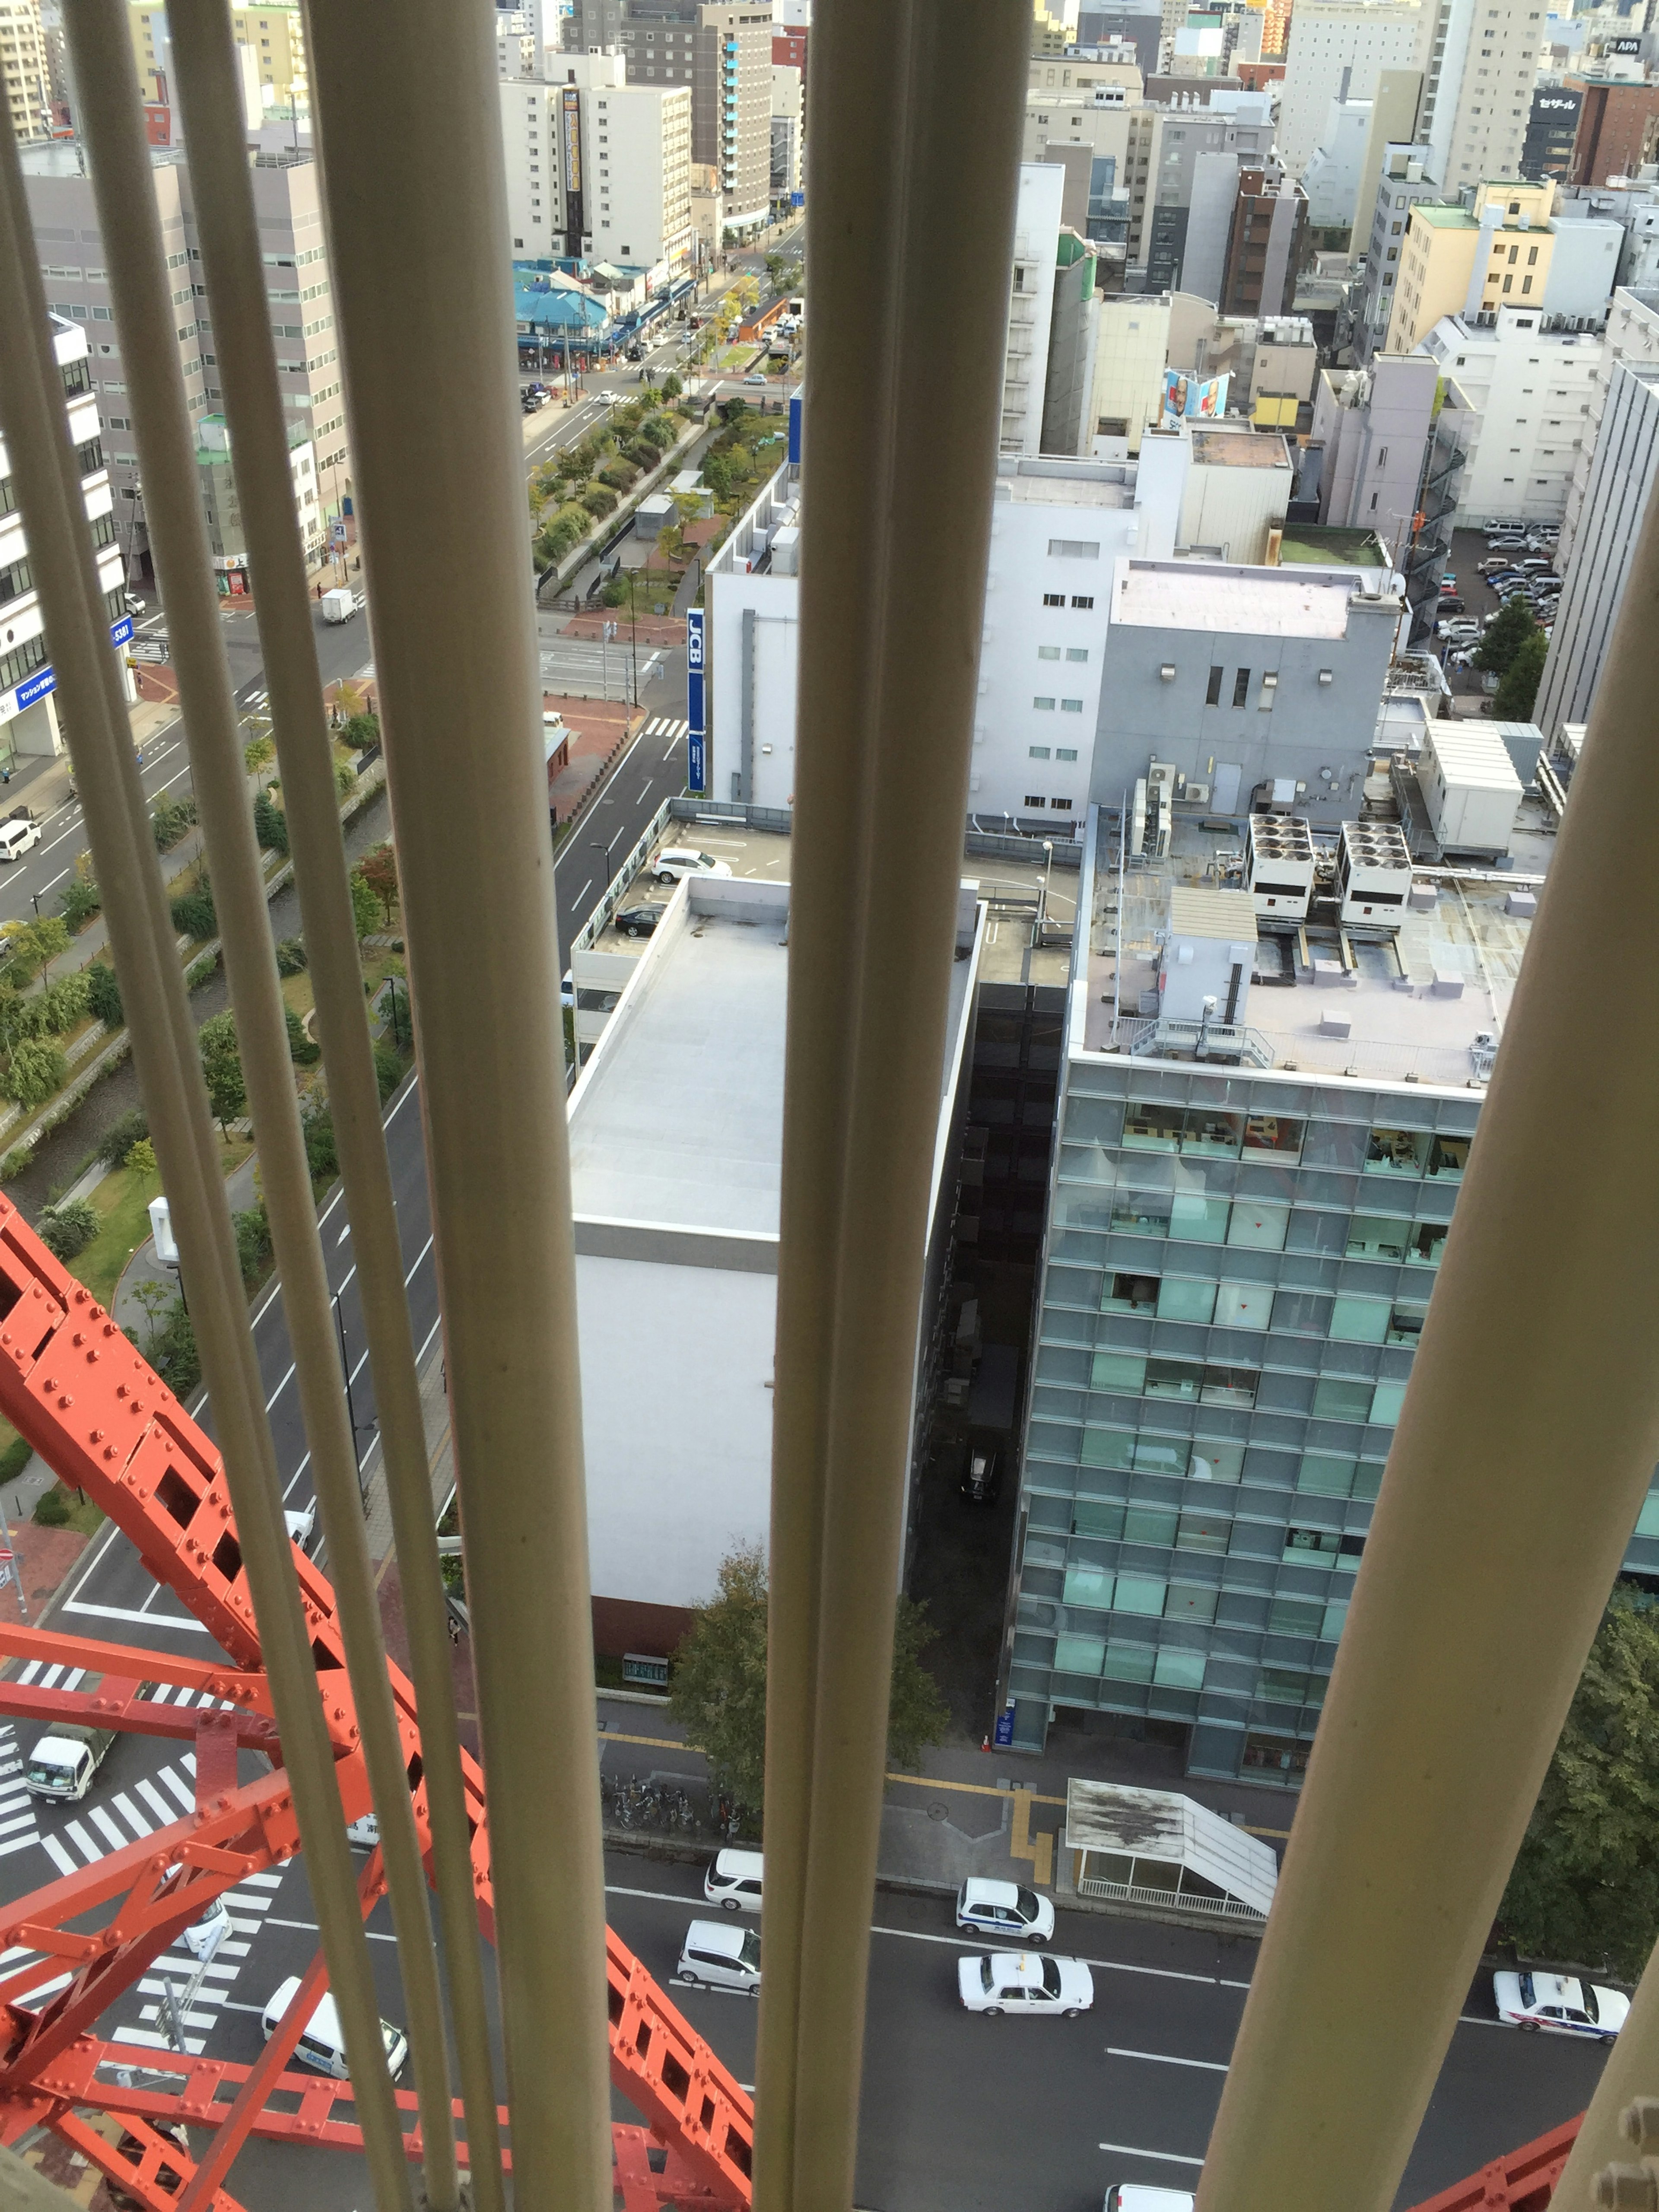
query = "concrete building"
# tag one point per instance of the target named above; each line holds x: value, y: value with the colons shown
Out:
x: 1254, y: 685
x: 1132, y: 347
x: 1030, y: 308
x: 1332, y: 176
x: 1068, y: 417
x: 28, y: 713
x: 1265, y: 245
x: 1235, y: 490
x: 1102, y: 142
x: 1612, y: 121
x: 64, y: 216
x: 1552, y: 129
x: 1620, y: 460
x: 518, y: 51
x: 216, y: 480
x: 1336, y: 50
x: 274, y: 36
x: 1480, y: 63
x: 1371, y: 425
x: 1583, y: 268
x: 789, y: 44
x: 1188, y: 193
x: 788, y: 125
x: 1099, y: 28
x: 707, y: 207
x: 1528, y: 387
x: 1282, y: 372
x: 1238, y: 1262
x: 25, y: 70
x: 1472, y: 259
x: 596, y: 166
x: 1403, y: 183
x: 724, y: 53
x: 676, y: 1140
x: 1393, y: 123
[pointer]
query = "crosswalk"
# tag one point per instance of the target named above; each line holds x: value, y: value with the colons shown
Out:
x: 18, y: 1829
x: 202, y: 1992
x: 664, y: 726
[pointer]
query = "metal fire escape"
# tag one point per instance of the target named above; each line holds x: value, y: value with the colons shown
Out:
x: 74, y: 1385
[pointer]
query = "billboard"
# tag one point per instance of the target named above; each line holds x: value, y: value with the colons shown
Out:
x: 1192, y: 399
x: 696, y: 704
x: 570, y: 153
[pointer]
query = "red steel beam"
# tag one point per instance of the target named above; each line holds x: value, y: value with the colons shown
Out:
x: 139, y: 2176
x: 74, y: 1387
x: 1522, y: 2181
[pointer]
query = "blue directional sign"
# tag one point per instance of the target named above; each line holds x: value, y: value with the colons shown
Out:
x: 45, y: 680
x: 1005, y: 1724
x: 697, y: 779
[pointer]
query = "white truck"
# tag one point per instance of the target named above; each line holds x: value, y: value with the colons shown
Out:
x: 63, y: 1763
x: 339, y: 605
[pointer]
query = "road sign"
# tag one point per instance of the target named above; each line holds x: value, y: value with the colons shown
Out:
x: 1005, y: 1724
x: 697, y: 778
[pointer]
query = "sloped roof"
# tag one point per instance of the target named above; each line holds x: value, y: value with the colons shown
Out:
x: 1158, y: 1823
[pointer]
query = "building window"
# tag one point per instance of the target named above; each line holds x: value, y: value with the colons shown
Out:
x: 1032, y: 802
x: 1074, y: 548
x: 1043, y: 705
x: 1212, y: 696
x: 1054, y: 599
x: 1071, y: 706
x: 1037, y: 752
x: 1076, y: 652
x: 1060, y: 806
x: 1047, y: 653
x: 1064, y: 752
x: 1085, y: 604
x: 1242, y: 688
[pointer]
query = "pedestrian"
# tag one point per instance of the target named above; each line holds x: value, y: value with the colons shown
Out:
x: 320, y: 588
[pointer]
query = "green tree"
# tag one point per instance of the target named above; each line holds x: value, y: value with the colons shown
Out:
x: 221, y: 1069
x: 1507, y: 632
x: 104, y: 993
x: 141, y: 1157
x: 317, y: 1125
x: 253, y: 1242
x: 68, y: 1227
x: 365, y: 908
x: 270, y: 824
x: 34, y: 1071
x: 1519, y: 688
x: 1585, y: 1885
x: 79, y: 900
x: 379, y: 869
x: 671, y: 387
x: 122, y: 1134
x: 291, y: 956
x: 193, y: 913
x: 301, y: 1049
x: 718, y: 1690
x: 257, y: 753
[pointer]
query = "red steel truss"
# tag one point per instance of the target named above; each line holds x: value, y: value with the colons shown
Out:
x: 74, y: 1385
x: 1522, y: 2181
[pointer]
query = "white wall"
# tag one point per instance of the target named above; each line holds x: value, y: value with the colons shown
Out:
x: 1531, y: 389
x: 1332, y: 177
x: 1584, y: 268
x: 636, y: 141
x: 1030, y: 307
x: 1327, y: 38
x: 1131, y: 350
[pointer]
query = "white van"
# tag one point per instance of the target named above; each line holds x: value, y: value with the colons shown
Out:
x: 321, y: 2045
x: 1137, y: 2196
x: 733, y: 1882
x: 16, y: 838
x: 726, y: 1957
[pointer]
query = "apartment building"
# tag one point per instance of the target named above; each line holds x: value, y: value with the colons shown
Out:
x: 1132, y: 349
x: 1192, y: 165
x: 788, y: 127
x: 1030, y: 307
x: 1102, y: 141
x: 222, y: 503
x: 1528, y: 389
x: 1609, y: 499
x: 723, y: 52
x: 596, y: 166
x: 1472, y: 256
x: 1479, y: 63
x: 1264, y: 244
x: 274, y: 37
x: 64, y: 216
x: 1261, y: 1140
x: 518, y: 52
x: 29, y: 715
x: 1336, y: 51
x: 25, y: 68
x: 1614, y: 119
x: 1332, y: 176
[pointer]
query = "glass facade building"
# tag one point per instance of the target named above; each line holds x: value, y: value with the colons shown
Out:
x: 1237, y: 1265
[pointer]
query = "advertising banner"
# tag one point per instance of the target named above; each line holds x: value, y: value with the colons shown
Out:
x: 1192, y: 398
x: 697, y: 779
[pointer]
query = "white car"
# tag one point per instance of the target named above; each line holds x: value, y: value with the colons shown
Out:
x: 676, y: 860
x: 364, y: 1833
x: 1138, y: 2197
x: 1004, y: 1908
x: 321, y: 2045
x: 724, y: 1956
x: 301, y: 1522
x: 1563, y: 2006
x: 203, y: 1937
x: 733, y: 1882
x: 1021, y: 1982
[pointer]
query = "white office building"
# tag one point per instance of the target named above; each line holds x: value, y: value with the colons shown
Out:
x: 676, y: 1147
x: 1479, y: 66
x: 598, y: 167
x: 788, y: 125
x: 1335, y: 51
x: 1529, y: 388
x: 1331, y: 178
x: 28, y: 713
x: 1030, y: 308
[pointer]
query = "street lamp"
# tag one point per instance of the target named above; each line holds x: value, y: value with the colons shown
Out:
x: 604, y: 845
x: 1048, y: 874
x: 351, y: 1409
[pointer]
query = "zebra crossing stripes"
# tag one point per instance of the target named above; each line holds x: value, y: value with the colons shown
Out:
x: 664, y: 726
x: 209, y: 1987
x: 19, y: 1831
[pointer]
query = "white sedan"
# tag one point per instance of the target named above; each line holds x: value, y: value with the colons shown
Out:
x: 1020, y: 1982
x: 302, y: 1521
x: 1004, y: 1908
x: 1560, y: 2004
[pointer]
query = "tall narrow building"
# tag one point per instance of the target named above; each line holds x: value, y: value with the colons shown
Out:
x: 23, y: 65
x: 1479, y: 64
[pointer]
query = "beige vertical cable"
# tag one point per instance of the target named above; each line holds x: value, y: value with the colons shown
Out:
x: 901, y: 442
x: 1522, y: 1455
x: 420, y: 256
x: 130, y: 228
x: 204, y: 64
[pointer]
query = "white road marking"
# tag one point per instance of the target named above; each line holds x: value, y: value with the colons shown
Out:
x: 1164, y: 2157
x: 375, y: 1935
x: 1167, y: 2058
x: 60, y: 1857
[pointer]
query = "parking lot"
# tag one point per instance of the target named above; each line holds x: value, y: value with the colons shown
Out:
x: 1480, y: 601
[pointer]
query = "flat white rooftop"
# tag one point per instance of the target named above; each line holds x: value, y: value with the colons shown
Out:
x: 1209, y: 596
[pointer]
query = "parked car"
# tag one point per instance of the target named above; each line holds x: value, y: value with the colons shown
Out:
x: 322, y: 2045
x: 724, y: 1956
x: 756, y: 378
x: 364, y: 1833
x: 1452, y: 605
x: 17, y: 838
x: 638, y: 921
x: 1020, y: 1982
x: 1560, y: 2005
x: 203, y: 1937
x: 1004, y: 1908
x: 674, y: 861
x: 981, y: 1470
x: 302, y: 1521
x: 1449, y: 583
x: 733, y: 1880
x: 1138, y: 2197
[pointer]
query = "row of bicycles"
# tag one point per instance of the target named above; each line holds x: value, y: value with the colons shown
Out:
x: 664, y: 1806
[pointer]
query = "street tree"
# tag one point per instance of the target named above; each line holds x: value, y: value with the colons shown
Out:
x: 221, y: 1069
x: 379, y: 869
x: 257, y: 753
x: 35, y: 1068
x: 1519, y: 689
x: 365, y: 907
x: 1507, y: 632
x: 1585, y: 1884
x: 717, y: 1692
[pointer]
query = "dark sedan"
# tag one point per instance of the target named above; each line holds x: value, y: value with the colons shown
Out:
x: 638, y: 921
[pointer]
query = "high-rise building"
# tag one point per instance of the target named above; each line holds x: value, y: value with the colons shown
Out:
x: 1030, y: 309
x: 598, y: 166
x: 25, y: 70
x: 1613, y: 119
x: 1337, y: 48
x: 28, y: 716
x: 274, y: 34
x: 1479, y: 64
x: 1472, y: 257
x: 66, y: 230
x: 1189, y: 200
x: 723, y: 52
x: 1264, y: 249
x: 788, y: 118
x: 1551, y: 129
x: 1528, y: 388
